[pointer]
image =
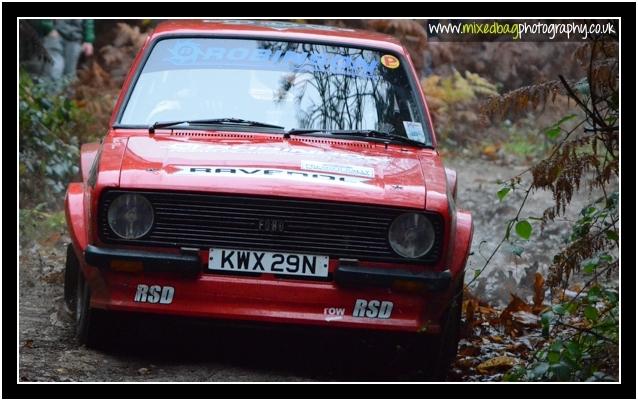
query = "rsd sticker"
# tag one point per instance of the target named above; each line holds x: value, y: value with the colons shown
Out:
x: 373, y: 309
x: 389, y: 61
x: 154, y: 294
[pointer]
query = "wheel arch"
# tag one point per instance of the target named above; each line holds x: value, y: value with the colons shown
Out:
x: 76, y: 217
x: 464, y: 231
x: 88, y: 152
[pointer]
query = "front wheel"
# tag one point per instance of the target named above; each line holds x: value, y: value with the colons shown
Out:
x: 438, y: 352
x: 90, y: 324
x: 70, y: 279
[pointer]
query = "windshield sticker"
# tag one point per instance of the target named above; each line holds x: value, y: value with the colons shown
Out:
x: 367, y: 172
x: 389, y: 61
x: 251, y: 172
x: 282, y: 26
x: 190, y: 53
x: 414, y: 131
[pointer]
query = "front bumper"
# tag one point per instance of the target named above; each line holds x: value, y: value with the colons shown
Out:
x: 186, y: 264
x: 353, y: 275
x: 271, y: 299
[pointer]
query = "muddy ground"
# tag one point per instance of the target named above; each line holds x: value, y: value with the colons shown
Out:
x: 171, y: 350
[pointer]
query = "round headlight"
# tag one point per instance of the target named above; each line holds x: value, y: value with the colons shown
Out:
x: 130, y: 216
x: 411, y: 235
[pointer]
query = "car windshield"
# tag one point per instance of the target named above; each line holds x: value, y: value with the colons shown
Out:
x: 302, y: 86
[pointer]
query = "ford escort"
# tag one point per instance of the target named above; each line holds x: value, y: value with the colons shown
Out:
x: 272, y: 173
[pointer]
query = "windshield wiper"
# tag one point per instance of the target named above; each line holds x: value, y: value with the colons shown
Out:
x: 212, y: 121
x: 296, y: 131
x: 368, y: 133
x: 371, y: 133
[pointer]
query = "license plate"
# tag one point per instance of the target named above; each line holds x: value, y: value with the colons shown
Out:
x: 268, y: 262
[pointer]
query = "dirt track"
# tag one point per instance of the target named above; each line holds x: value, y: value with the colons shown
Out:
x: 159, y: 350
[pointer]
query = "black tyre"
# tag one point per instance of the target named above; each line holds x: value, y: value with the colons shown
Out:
x: 70, y: 279
x: 91, y: 326
x: 439, y: 352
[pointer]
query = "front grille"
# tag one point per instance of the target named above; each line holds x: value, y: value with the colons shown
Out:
x: 314, y: 227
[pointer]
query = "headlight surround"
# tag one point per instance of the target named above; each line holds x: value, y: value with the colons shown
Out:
x: 130, y: 216
x: 411, y: 235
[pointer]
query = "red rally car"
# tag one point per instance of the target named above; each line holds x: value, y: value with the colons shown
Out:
x: 270, y: 172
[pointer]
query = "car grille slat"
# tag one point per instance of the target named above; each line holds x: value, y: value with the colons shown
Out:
x: 314, y: 227
x: 252, y: 223
x: 183, y: 212
x: 277, y: 237
x: 211, y: 208
x: 281, y: 246
x: 251, y: 230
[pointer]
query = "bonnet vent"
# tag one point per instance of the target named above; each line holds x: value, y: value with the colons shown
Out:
x: 227, y: 135
x: 332, y: 142
x: 242, y: 135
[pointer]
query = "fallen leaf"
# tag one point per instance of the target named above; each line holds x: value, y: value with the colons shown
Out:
x: 538, y: 310
x: 515, y: 347
x: 500, y: 363
x: 466, y: 362
x: 486, y: 310
x: 497, y: 339
x: 54, y: 278
x: 490, y: 151
x: 470, y: 351
x: 575, y: 288
x: 539, y: 292
x: 515, y: 305
x: 28, y: 343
